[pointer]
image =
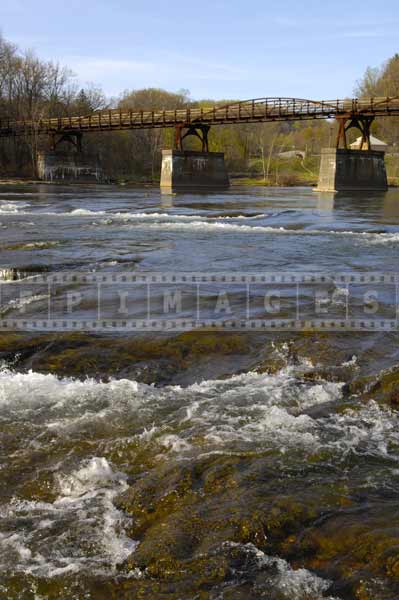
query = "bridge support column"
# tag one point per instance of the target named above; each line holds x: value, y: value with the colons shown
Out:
x: 67, y: 166
x: 352, y: 170
x: 193, y: 171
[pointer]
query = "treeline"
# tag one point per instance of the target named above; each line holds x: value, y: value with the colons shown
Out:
x: 383, y: 81
x: 33, y: 89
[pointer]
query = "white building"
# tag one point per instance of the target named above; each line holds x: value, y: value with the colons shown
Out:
x: 375, y: 144
x: 293, y: 154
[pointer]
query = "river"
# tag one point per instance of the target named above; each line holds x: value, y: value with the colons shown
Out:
x: 238, y: 439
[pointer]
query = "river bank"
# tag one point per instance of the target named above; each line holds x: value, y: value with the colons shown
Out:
x: 240, y: 181
x: 235, y: 181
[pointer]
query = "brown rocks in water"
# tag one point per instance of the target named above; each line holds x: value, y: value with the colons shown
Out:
x: 383, y: 388
x: 184, y: 358
x: 386, y: 388
x: 183, y: 514
x: 316, y: 356
x: 362, y: 555
x: 146, y: 359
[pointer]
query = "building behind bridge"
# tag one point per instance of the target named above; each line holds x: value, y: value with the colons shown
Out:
x: 376, y: 144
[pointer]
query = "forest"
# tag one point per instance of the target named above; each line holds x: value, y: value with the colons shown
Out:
x: 269, y: 153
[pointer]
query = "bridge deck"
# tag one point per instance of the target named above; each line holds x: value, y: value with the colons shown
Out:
x: 249, y: 111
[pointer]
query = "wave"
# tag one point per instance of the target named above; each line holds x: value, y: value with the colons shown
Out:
x: 12, y: 208
x: 22, y: 303
x: 279, y: 576
x: 231, y: 227
x: 292, y: 418
x: 155, y: 216
x: 82, y: 520
x: 252, y: 411
x: 176, y: 222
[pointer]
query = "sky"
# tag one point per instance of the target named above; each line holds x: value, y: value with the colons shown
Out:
x: 214, y: 49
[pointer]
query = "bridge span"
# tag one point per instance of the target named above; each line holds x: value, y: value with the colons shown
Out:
x: 247, y: 111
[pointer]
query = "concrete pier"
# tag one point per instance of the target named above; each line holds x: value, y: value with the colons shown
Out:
x: 193, y: 171
x: 352, y: 170
x: 64, y: 166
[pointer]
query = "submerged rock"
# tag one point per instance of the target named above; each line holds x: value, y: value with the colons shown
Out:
x: 148, y: 359
x: 385, y: 388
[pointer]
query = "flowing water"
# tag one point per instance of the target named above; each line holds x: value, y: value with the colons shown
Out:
x: 220, y: 465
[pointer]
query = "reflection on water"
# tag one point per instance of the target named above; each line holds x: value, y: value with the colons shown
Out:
x: 325, y: 201
x: 166, y: 199
x: 391, y: 208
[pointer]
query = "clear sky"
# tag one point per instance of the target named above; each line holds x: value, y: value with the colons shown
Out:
x: 215, y: 49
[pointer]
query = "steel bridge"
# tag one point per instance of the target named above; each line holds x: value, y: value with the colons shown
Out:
x: 358, y: 113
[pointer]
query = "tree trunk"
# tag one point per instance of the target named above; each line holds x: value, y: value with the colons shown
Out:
x: 269, y: 160
x: 263, y: 163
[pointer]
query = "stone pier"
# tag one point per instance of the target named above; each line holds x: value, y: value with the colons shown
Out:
x: 193, y: 171
x: 352, y: 170
x: 67, y: 166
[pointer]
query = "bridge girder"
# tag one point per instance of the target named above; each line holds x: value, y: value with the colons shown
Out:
x: 200, y: 131
x: 74, y: 138
x: 362, y: 123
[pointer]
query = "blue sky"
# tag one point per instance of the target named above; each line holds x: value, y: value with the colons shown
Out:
x: 215, y: 49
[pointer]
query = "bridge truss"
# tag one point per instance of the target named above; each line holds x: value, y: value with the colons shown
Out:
x: 358, y: 113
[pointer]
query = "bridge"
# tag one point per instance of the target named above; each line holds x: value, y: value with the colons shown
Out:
x: 247, y: 111
x: 350, y: 113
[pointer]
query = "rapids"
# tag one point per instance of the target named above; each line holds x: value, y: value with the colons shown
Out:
x: 200, y: 464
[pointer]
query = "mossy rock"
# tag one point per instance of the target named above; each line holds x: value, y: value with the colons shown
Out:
x: 148, y: 359
x: 319, y: 349
x: 386, y: 388
x: 383, y: 388
x: 353, y: 548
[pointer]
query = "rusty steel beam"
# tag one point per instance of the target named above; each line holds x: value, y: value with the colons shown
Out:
x: 248, y: 111
x: 362, y: 123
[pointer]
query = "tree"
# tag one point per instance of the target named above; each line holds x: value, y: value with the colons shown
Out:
x: 32, y: 89
x: 382, y: 81
x: 144, y: 146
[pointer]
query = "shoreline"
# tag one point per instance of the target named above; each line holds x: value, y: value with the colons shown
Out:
x: 234, y: 182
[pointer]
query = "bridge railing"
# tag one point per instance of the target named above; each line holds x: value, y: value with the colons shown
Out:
x: 257, y: 110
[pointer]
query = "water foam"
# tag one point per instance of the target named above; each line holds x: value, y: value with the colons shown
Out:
x: 252, y: 411
x: 66, y: 396
x: 284, y: 414
x: 81, y: 530
x: 8, y: 275
x: 155, y: 216
x: 11, y: 207
x: 22, y: 303
x: 278, y: 575
x: 210, y: 225
x: 258, y: 410
x: 179, y: 222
